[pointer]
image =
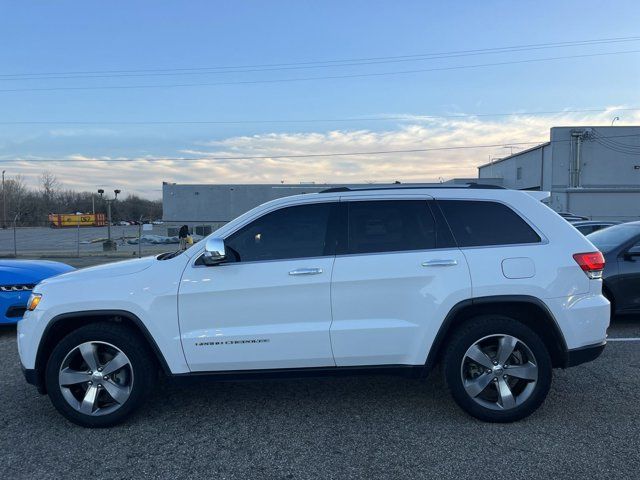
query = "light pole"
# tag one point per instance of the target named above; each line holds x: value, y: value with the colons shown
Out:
x: 109, y: 245
x: 4, y: 203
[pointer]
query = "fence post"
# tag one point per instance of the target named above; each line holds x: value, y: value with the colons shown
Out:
x: 15, y: 242
x: 78, y: 238
x: 140, y: 239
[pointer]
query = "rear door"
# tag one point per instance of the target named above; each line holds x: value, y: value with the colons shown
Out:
x: 394, y: 282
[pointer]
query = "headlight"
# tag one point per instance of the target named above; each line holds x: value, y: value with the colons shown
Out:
x: 33, y: 301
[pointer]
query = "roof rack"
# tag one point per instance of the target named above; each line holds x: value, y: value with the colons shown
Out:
x: 470, y: 185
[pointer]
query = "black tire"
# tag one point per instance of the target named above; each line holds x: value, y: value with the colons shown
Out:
x: 485, y: 326
x: 127, y: 341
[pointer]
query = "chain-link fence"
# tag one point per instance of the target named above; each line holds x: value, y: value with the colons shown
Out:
x: 77, y: 241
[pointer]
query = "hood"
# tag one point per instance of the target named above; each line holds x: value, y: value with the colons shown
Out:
x: 17, y: 272
x: 106, y: 270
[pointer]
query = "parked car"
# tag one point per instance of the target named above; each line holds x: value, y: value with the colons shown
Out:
x: 123, y: 223
x: 488, y: 282
x: 17, y: 279
x: 158, y: 222
x: 586, y: 227
x: 620, y: 245
x: 572, y: 217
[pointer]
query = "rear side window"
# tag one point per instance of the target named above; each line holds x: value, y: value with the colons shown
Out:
x: 476, y: 223
x: 390, y: 226
x: 292, y: 232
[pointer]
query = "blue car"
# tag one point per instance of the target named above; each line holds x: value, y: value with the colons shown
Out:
x: 17, y: 279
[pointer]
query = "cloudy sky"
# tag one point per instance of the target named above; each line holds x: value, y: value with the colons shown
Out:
x: 147, y: 85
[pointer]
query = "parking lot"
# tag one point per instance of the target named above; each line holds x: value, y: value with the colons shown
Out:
x: 361, y: 427
x: 85, y: 240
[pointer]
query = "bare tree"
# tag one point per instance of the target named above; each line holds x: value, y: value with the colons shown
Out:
x: 16, y: 195
x: 49, y: 186
x: 33, y: 205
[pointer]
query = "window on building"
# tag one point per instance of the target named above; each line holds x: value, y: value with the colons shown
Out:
x: 481, y: 223
x: 519, y: 173
x: 390, y: 226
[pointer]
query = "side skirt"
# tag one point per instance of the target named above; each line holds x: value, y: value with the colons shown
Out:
x: 408, y: 371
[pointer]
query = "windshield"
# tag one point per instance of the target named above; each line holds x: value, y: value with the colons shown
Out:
x: 609, y: 238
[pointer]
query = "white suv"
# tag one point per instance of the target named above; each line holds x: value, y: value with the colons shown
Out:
x: 488, y: 282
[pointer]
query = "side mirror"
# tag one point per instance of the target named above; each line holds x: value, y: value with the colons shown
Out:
x: 214, y: 251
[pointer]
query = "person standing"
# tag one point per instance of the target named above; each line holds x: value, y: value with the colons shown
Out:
x: 183, y: 233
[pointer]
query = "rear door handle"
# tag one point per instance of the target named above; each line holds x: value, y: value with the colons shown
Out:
x: 306, y: 271
x: 449, y: 262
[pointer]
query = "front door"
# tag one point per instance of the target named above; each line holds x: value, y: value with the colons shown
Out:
x: 269, y: 305
x: 627, y: 282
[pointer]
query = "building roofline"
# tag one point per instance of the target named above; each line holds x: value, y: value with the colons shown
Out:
x: 542, y: 145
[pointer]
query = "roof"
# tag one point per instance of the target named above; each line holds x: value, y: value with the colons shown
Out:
x: 498, y: 160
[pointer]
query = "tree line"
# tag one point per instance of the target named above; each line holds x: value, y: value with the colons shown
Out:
x: 31, y: 206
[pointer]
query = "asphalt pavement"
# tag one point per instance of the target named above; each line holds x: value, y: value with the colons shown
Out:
x: 365, y: 427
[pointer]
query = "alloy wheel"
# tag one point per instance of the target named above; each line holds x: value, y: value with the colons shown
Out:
x: 499, y: 372
x: 96, y: 378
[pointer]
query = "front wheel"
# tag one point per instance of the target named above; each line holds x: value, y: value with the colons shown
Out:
x: 97, y: 375
x: 497, y: 369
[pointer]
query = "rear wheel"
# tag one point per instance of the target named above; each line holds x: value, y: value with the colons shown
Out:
x: 497, y: 369
x: 97, y: 375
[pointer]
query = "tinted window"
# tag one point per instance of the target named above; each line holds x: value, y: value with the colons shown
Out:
x: 390, y: 226
x: 610, y: 238
x: 587, y: 229
x: 292, y: 232
x: 486, y: 223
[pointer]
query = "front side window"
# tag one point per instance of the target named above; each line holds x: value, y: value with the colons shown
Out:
x: 390, y: 226
x: 292, y: 232
x: 482, y: 223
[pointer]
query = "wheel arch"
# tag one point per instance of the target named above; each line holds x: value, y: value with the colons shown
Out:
x: 65, y: 323
x: 531, y: 311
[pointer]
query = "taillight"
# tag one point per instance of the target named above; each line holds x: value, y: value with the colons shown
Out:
x: 591, y: 263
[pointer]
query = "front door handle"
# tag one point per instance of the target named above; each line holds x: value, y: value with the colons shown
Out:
x: 306, y: 271
x: 449, y: 262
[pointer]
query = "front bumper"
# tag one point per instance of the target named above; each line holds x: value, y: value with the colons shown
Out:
x: 578, y: 356
x: 12, y: 306
x: 32, y: 378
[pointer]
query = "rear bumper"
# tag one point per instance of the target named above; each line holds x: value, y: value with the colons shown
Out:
x: 583, y: 319
x: 578, y: 356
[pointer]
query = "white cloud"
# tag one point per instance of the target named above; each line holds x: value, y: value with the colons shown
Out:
x: 145, y: 176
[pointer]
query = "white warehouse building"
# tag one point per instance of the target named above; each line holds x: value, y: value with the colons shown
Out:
x: 216, y: 204
x: 590, y: 171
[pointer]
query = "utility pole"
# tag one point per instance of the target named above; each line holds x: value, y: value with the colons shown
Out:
x: 510, y: 147
x: 109, y: 245
x: 4, y: 203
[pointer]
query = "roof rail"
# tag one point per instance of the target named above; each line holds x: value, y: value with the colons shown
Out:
x: 470, y: 185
